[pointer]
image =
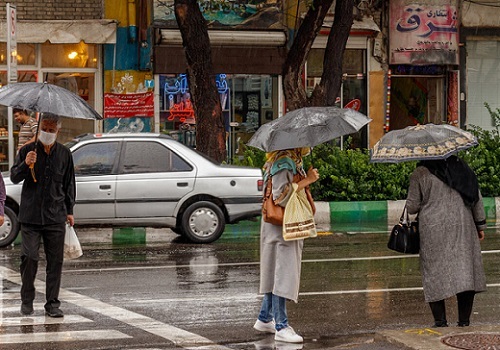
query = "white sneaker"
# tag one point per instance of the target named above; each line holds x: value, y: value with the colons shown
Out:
x: 288, y: 335
x: 268, y: 327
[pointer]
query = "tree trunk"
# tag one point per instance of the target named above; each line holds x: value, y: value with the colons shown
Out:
x: 293, y: 86
x: 325, y: 93
x: 210, y: 130
x: 331, y: 79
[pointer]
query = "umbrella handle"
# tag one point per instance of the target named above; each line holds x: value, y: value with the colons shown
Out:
x: 32, y: 166
x: 32, y: 169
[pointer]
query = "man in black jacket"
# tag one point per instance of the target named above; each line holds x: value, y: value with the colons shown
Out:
x: 47, y: 201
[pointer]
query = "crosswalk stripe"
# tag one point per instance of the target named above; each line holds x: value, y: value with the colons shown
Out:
x: 38, y: 320
x: 173, y: 334
x: 61, y: 336
x: 17, y: 307
x: 10, y: 296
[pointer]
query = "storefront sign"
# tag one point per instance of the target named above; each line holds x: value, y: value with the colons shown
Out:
x: 423, y: 32
x: 177, y: 99
x: 11, y: 44
x: 128, y: 105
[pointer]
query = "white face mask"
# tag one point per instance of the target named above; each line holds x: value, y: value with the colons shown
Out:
x: 47, y: 138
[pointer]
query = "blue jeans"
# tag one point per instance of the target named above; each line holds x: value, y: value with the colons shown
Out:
x: 274, y: 306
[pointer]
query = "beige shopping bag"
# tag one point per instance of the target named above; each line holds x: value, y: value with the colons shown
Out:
x: 298, y: 220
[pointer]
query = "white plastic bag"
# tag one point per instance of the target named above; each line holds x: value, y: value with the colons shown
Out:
x: 298, y: 220
x: 72, y: 247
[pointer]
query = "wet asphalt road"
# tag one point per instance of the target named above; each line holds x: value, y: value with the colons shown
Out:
x: 170, y: 294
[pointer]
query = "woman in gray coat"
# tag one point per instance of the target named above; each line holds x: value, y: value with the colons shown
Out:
x: 280, y: 260
x: 446, y: 196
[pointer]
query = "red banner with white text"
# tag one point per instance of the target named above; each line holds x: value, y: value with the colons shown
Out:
x: 128, y: 105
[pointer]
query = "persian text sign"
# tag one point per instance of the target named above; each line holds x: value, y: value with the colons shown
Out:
x: 423, y: 33
x: 128, y: 105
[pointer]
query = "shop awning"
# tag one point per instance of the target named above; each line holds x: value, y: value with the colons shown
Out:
x: 99, y: 31
x: 230, y: 37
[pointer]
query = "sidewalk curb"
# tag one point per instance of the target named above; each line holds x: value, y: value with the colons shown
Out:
x: 378, y: 213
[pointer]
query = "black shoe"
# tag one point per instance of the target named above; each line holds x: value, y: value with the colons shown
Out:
x: 463, y: 323
x: 441, y: 324
x: 54, y: 312
x: 27, y: 308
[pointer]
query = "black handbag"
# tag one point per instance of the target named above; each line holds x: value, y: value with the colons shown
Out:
x: 405, y: 237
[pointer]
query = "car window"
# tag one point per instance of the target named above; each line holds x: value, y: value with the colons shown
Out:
x: 95, y: 158
x: 151, y: 157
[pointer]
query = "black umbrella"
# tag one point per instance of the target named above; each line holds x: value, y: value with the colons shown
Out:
x: 307, y: 127
x: 46, y: 98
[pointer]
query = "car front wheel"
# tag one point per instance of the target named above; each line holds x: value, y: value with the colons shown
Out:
x: 10, y: 228
x: 203, y: 222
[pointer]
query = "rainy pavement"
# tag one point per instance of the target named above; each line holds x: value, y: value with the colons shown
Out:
x: 155, y: 291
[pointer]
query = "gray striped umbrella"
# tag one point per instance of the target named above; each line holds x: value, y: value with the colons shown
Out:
x: 46, y: 98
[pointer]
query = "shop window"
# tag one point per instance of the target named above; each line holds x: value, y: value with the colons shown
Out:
x: 417, y: 100
x: 177, y: 116
x: 69, y: 55
x: 247, y: 101
x: 254, y: 103
x: 26, y: 54
x: 483, y: 86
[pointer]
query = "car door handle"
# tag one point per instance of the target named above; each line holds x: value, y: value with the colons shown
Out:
x: 182, y: 184
x: 104, y: 187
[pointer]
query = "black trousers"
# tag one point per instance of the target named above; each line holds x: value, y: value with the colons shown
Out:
x: 465, y: 301
x: 53, y: 245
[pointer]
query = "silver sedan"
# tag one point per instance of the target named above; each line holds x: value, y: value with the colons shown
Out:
x: 151, y: 180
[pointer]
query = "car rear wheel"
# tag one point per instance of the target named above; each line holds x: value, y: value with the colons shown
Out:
x: 10, y: 228
x: 203, y: 222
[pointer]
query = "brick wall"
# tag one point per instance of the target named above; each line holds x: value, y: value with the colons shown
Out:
x: 55, y: 9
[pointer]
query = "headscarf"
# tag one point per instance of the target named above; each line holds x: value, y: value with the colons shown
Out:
x: 294, y: 154
x: 455, y: 172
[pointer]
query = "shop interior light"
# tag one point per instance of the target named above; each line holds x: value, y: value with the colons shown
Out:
x: 72, y: 55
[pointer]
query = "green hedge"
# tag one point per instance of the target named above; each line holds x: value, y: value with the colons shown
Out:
x: 348, y: 175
